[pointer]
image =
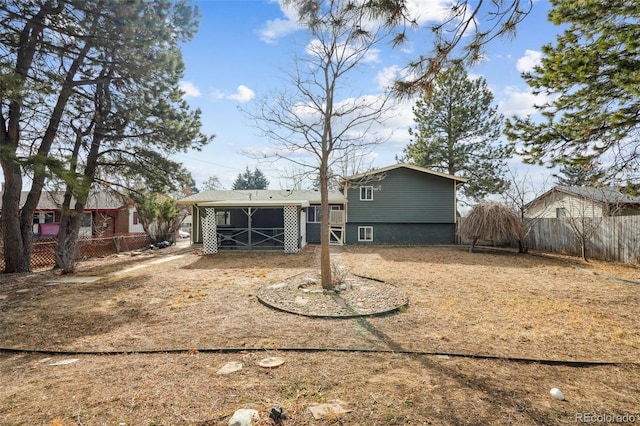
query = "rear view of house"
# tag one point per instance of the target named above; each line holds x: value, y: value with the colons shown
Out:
x: 400, y: 204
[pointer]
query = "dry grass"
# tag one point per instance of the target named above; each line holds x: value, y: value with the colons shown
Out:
x: 493, y: 303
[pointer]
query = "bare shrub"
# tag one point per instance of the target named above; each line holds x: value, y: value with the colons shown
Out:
x: 491, y: 221
x: 339, y: 272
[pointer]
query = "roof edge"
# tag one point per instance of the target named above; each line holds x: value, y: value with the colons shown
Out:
x: 410, y: 167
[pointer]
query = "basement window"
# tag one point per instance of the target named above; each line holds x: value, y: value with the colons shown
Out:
x: 365, y: 233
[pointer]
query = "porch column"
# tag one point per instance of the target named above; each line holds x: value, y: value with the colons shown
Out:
x: 291, y: 230
x: 210, y: 232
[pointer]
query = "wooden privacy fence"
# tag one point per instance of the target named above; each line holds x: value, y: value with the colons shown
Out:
x: 43, y: 250
x: 615, y: 238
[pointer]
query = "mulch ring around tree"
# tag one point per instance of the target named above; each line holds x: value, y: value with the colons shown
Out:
x: 355, y: 296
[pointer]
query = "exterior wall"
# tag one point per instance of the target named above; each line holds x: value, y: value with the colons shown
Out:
x: 574, y: 206
x: 104, y: 222
x: 313, y: 233
x: 134, y: 228
x: 121, y: 224
x: 404, y: 196
x: 313, y: 228
x: 405, y: 233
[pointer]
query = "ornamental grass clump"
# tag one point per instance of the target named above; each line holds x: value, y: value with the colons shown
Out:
x: 492, y: 222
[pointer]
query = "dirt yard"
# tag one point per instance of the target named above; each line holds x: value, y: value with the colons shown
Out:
x: 484, y: 338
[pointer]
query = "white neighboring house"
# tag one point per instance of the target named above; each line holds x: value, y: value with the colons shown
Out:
x: 581, y: 201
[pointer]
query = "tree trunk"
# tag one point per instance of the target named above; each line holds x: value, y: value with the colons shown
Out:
x: 325, y: 255
x: 67, y: 244
x: 17, y: 234
x: 17, y: 242
x: 583, y: 249
x: 66, y: 251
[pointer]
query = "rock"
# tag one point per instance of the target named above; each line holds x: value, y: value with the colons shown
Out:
x: 277, y: 414
x: 66, y: 361
x: 271, y: 362
x: 244, y: 417
x: 557, y: 394
x: 230, y: 367
x: 331, y: 409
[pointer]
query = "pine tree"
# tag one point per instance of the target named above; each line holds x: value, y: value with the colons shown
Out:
x: 580, y: 175
x: 101, y: 77
x: 590, y: 76
x: 457, y: 131
x: 251, y: 180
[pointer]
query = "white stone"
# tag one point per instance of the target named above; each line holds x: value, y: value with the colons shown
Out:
x: 66, y: 361
x: 244, y: 417
x: 333, y: 408
x: 230, y: 367
x: 300, y: 300
x: 557, y: 394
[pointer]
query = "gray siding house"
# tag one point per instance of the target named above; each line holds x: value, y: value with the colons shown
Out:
x: 400, y: 204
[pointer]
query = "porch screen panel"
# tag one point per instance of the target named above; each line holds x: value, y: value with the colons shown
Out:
x: 210, y: 232
x: 291, y: 229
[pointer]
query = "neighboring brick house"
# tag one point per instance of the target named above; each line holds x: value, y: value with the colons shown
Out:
x: 105, y: 214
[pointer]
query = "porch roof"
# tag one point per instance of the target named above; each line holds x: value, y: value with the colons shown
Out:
x: 253, y: 203
x: 261, y: 197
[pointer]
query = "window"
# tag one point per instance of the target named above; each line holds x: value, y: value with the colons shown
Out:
x: 561, y: 213
x: 366, y: 193
x: 313, y: 214
x: 86, y: 220
x: 36, y: 218
x: 223, y: 217
x: 135, y: 218
x: 49, y: 217
x: 365, y: 233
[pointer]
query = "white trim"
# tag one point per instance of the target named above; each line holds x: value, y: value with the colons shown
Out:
x: 406, y: 166
x: 365, y: 228
x: 256, y: 203
x: 368, y: 190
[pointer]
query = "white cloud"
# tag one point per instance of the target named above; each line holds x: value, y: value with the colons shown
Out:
x: 389, y: 75
x: 530, y: 59
x: 425, y: 11
x: 280, y: 27
x: 277, y: 28
x: 216, y: 95
x: 243, y: 94
x: 189, y: 89
x: 343, y: 51
x: 520, y: 103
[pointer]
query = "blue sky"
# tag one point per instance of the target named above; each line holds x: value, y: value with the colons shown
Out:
x: 243, y: 45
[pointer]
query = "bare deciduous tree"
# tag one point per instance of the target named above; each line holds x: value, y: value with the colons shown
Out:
x: 518, y: 194
x: 317, y: 124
